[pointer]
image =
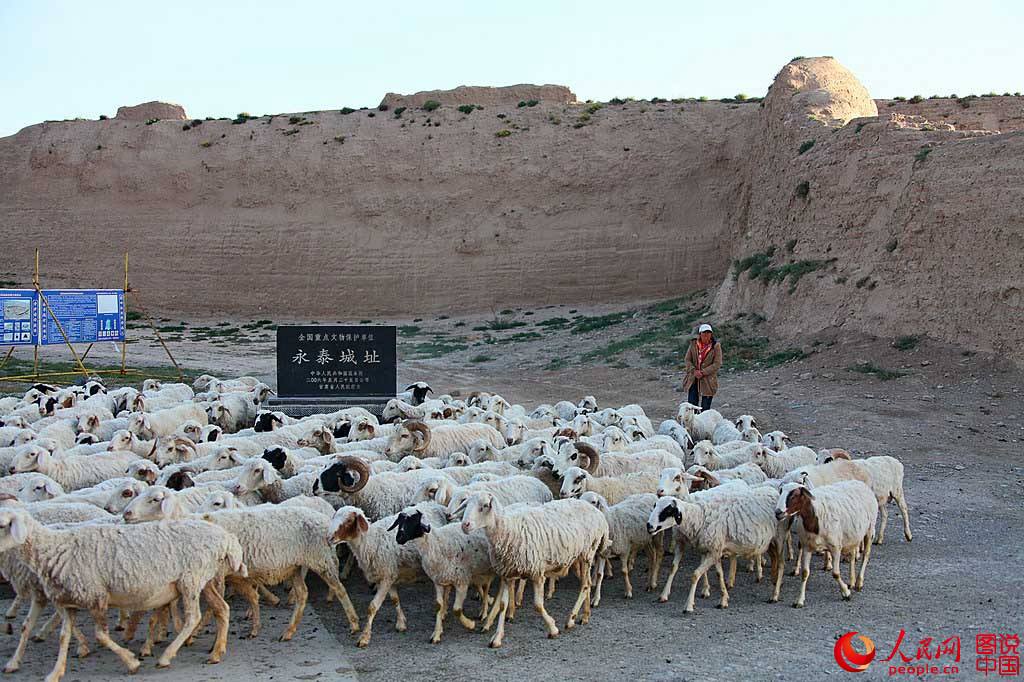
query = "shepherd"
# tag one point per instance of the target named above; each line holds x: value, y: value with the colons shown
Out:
x: 703, y: 360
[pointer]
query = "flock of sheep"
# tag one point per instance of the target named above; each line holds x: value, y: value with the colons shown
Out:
x: 463, y: 492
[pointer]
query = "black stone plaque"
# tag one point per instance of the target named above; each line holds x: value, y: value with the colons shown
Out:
x: 325, y: 361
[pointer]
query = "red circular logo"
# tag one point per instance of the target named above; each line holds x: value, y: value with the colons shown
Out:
x: 848, y: 658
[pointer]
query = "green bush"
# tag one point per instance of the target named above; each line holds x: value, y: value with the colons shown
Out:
x: 616, y: 100
x: 103, y: 117
x: 880, y: 372
x: 916, y: 99
x: 382, y: 107
x: 431, y: 105
x: 151, y: 121
x: 702, y: 98
x: 345, y: 111
x: 922, y: 154
x: 206, y: 144
x: 908, y: 342
x: 859, y: 127
x: 754, y: 264
x: 340, y: 139
x: 803, y: 189
x: 594, y: 108
x: 806, y: 146
x: 891, y: 245
x: 790, y: 245
x: 398, y: 112
x: 796, y: 59
x: 658, y: 100
x: 503, y: 133
x: 741, y: 97
x: 899, y: 99
x: 296, y: 119
x: 467, y: 108
x: 532, y: 102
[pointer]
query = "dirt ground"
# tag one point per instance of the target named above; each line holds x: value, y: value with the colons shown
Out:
x: 953, y: 419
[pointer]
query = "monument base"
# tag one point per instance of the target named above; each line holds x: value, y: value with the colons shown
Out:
x: 304, y: 407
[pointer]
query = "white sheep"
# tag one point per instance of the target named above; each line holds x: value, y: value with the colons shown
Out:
x: 277, y: 544
x: 839, y: 518
x: 700, y: 423
x: 614, y: 439
x: 627, y: 524
x: 714, y: 457
x: 420, y: 439
x: 778, y: 464
x: 74, y: 472
x: 534, y: 543
x: 384, y: 562
x: 611, y: 464
x: 885, y: 476
x: 508, y: 490
x: 748, y: 472
x: 613, y: 489
x: 150, y: 425
x: 351, y: 481
x: 111, y: 566
x: 451, y: 559
x: 740, y: 523
x: 725, y: 432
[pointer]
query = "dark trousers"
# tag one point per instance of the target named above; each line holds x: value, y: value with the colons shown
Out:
x: 705, y: 400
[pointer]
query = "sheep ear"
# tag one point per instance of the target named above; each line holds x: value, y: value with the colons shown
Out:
x: 691, y: 477
x: 268, y: 474
x: 19, y: 528
x: 362, y: 523
x: 167, y: 505
x: 43, y: 458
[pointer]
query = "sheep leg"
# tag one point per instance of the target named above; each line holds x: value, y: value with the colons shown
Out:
x: 838, y: 574
x: 625, y: 579
x: 584, y: 593
x: 586, y: 565
x: 34, y: 609
x: 732, y: 571
x: 485, y: 597
x: 348, y: 566
x: 440, y: 606
x: 460, y: 597
x: 902, y: 503
x: 706, y: 562
x: 789, y: 546
x: 853, y: 565
x: 519, y: 594
x: 759, y: 567
x: 552, y: 581
x: 495, y: 606
x: 400, y: 625
x: 189, y: 596
x: 504, y: 598
x: 601, y: 563
x: 706, y: 590
x: 206, y: 615
x: 776, y: 552
x: 300, y: 594
x: 864, y: 562
x: 655, y: 553
x: 12, y: 611
x: 99, y: 618
x: 330, y: 576
x: 221, y: 613
x: 271, y: 598
x: 175, y: 617
x: 805, y: 573
x: 44, y: 631
x: 155, y: 621
x: 250, y: 595
x: 538, y: 606
x: 677, y: 558
x: 799, y: 555
x: 67, y: 617
x: 883, y: 509
x: 132, y: 626
x: 123, y: 616
x: 371, y: 612
x: 724, y: 603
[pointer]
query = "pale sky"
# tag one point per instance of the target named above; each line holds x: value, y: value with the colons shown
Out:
x: 78, y: 58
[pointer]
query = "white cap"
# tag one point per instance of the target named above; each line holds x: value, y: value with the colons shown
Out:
x: 704, y: 328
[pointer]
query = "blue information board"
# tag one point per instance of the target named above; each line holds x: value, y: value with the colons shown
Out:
x: 87, y: 315
x: 19, y: 317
